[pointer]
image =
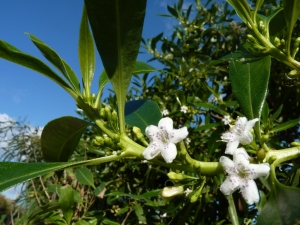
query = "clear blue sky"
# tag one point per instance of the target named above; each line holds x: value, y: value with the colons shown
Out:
x: 25, y: 93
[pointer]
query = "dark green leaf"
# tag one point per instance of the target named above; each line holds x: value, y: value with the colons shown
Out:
x: 117, y: 29
x: 277, y: 23
x: 214, y: 140
x: 207, y: 126
x: 86, y: 52
x: 277, y: 113
x: 81, y: 222
x: 58, y: 62
x: 85, y: 176
x: 142, y: 113
x: 60, y: 137
x: 286, y: 125
x: 40, y: 210
x: 250, y: 78
x: 172, y: 11
x: 14, y: 55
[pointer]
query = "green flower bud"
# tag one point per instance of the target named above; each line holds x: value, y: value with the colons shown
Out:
x: 170, y: 192
x: 294, y: 144
x: 139, y: 135
x: 176, y: 177
x: 261, y: 154
x: 114, y: 117
x: 277, y: 42
x: 108, y: 141
x: 99, y: 140
x: 102, y: 113
x: 107, y: 112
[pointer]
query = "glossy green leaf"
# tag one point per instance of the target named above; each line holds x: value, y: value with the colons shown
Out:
x: 58, y: 62
x: 85, y: 176
x: 240, y: 10
x: 60, y: 137
x: 12, y: 54
x: 142, y: 113
x: 249, y: 78
x: 139, y: 68
x: 40, y: 210
x: 81, y: 222
x: 13, y: 173
x: 86, y: 52
x: 117, y: 29
x: 286, y: 125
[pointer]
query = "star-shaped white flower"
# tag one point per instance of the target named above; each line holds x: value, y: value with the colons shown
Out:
x: 241, y: 175
x: 184, y: 109
x: 240, y: 133
x: 165, y: 112
x: 163, y: 139
x: 226, y: 120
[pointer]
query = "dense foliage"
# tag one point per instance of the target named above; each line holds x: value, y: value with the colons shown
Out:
x: 101, y: 176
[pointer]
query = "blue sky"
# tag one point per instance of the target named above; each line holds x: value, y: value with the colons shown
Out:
x: 25, y: 93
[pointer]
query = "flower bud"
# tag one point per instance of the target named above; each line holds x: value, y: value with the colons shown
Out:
x: 261, y: 154
x: 277, y: 42
x: 176, y: 177
x: 108, y: 141
x: 107, y: 113
x: 139, y: 135
x: 102, y: 113
x: 114, y: 117
x: 170, y: 192
x: 99, y: 140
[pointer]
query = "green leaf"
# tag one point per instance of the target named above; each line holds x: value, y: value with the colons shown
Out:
x: 86, y: 53
x: 282, y: 208
x: 291, y: 11
x: 81, y: 222
x: 139, y: 68
x: 240, y: 9
x: 109, y: 222
x: 207, y: 126
x: 117, y: 29
x: 172, y: 11
x: 12, y: 54
x: 40, y: 210
x: 60, y: 137
x: 214, y: 140
x: 249, y: 78
x: 142, y: 113
x: 85, y: 176
x: 139, y: 212
x: 286, y: 125
x: 66, y: 197
x: 277, y: 113
x: 58, y: 62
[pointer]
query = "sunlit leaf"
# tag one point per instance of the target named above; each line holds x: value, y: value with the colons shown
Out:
x: 286, y: 125
x: 85, y: 176
x: 12, y: 54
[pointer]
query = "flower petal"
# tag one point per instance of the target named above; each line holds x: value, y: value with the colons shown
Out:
x: 178, y: 134
x: 231, y: 147
x: 169, y: 152
x: 152, y: 150
x: 230, y: 185
x: 153, y: 133
x: 249, y: 191
x: 246, y: 137
x: 250, y: 124
x: 259, y: 170
x: 241, y: 123
x: 166, y: 124
x: 227, y: 164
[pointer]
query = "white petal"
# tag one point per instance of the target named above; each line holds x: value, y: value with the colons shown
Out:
x: 152, y: 150
x: 231, y: 147
x: 230, y: 185
x: 241, y: 123
x: 259, y: 170
x: 250, y: 124
x: 178, y: 134
x: 229, y: 136
x: 240, y: 156
x: 152, y: 132
x: 166, y: 124
x: 169, y: 152
x: 246, y: 138
x: 249, y: 191
x: 228, y: 165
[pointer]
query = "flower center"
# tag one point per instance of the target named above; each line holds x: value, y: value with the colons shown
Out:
x: 164, y: 135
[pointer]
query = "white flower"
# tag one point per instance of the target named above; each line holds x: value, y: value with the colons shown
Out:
x: 188, y: 191
x: 226, y: 120
x: 240, y: 133
x: 183, y: 109
x: 241, y: 175
x: 187, y: 141
x: 165, y: 112
x: 163, y: 139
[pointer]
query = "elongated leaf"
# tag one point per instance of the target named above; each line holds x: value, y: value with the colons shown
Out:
x: 60, y: 137
x: 86, y: 52
x: 117, y: 29
x: 291, y: 12
x: 139, y: 68
x: 207, y: 126
x: 10, y: 53
x: 249, y: 78
x: 58, y: 62
x: 139, y: 212
x: 66, y: 197
x: 142, y: 113
x: 286, y: 125
x: 85, y: 176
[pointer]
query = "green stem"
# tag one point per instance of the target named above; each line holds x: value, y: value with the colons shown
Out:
x: 232, y: 210
x: 283, y: 155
